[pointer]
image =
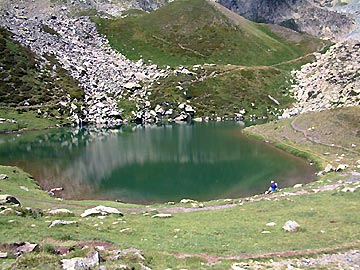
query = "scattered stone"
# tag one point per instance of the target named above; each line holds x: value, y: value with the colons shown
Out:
x: 188, y: 201
x: 60, y: 212
x: 238, y: 266
x: 61, y: 222
x: 9, y: 212
x: 4, y: 199
x: 24, y: 188
x: 81, y: 263
x: 341, y: 167
x: 3, y: 255
x: 162, y: 216
x: 329, y: 168
x: 144, y: 267
x: 298, y: 186
x: 265, y: 232
x: 291, y: 226
x: 101, y: 210
x: 271, y: 224
x: 26, y: 247
x: 3, y: 176
x: 127, y: 230
x: 123, y: 267
x: 118, y: 254
x: 348, y: 189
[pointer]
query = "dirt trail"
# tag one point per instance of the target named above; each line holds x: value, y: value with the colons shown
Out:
x: 197, y: 208
x: 213, y: 259
x: 312, y: 139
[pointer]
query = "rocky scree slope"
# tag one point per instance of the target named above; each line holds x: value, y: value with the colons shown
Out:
x: 351, y: 10
x: 104, y: 74
x: 332, y: 81
x: 299, y: 15
x: 112, y: 8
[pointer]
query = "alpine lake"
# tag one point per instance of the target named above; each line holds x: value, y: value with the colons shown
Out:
x: 153, y: 164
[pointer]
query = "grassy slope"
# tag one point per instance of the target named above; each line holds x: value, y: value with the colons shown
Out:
x: 225, y: 90
x: 329, y: 137
x: 188, y: 32
x: 233, y: 231
x: 196, y: 32
x: 23, y: 80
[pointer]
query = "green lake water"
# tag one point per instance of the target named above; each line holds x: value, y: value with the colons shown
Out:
x: 201, y: 161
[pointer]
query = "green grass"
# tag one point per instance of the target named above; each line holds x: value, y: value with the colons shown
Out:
x: 333, y: 136
x: 329, y: 217
x: 27, y: 119
x: 188, y: 32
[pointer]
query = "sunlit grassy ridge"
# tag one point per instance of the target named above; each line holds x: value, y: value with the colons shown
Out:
x: 188, y: 32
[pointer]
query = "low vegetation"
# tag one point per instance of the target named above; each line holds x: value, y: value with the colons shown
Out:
x: 225, y: 91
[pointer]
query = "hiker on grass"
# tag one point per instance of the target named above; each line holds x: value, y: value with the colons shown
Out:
x: 273, y: 187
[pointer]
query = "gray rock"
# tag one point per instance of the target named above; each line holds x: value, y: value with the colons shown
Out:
x: 291, y: 226
x: 3, y: 176
x: 27, y: 247
x: 144, y: 267
x: 81, y: 263
x: 61, y: 223
x: 3, y: 255
x: 60, y: 212
x: 8, y: 199
x: 162, y: 216
x: 101, y: 210
x: 341, y: 167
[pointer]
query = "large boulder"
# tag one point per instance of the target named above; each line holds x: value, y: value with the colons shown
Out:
x: 8, y: 199
x: 291, y: 226
x: 61, y: 223
x: 81, y: 263
x: 101, y: 211
x: 3, y: 176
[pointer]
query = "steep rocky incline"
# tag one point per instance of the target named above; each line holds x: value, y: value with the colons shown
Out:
x: 104, y: 74
x: 352, y: 10
x: 332, y: 81
x: 299, y: 15
x: 112, y: 7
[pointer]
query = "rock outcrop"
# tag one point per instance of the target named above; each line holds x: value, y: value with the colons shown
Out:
x: 332, y: 81
x: 300, y: 15
x: 104, y: 74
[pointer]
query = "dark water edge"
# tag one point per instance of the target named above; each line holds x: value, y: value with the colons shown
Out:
x: 160, y: 163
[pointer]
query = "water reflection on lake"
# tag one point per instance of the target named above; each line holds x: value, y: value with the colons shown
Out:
x: 201, y: 161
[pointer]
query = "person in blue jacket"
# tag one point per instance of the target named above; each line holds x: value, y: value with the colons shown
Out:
x: 273, y: 187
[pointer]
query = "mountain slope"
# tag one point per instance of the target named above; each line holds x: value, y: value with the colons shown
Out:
x: 188, y: 32
x: 32, y: 90
x: 300, y: 15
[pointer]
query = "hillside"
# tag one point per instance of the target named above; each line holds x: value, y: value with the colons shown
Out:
x: 300, y: 15
x: 33, y: 88
x: 195, y: 32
